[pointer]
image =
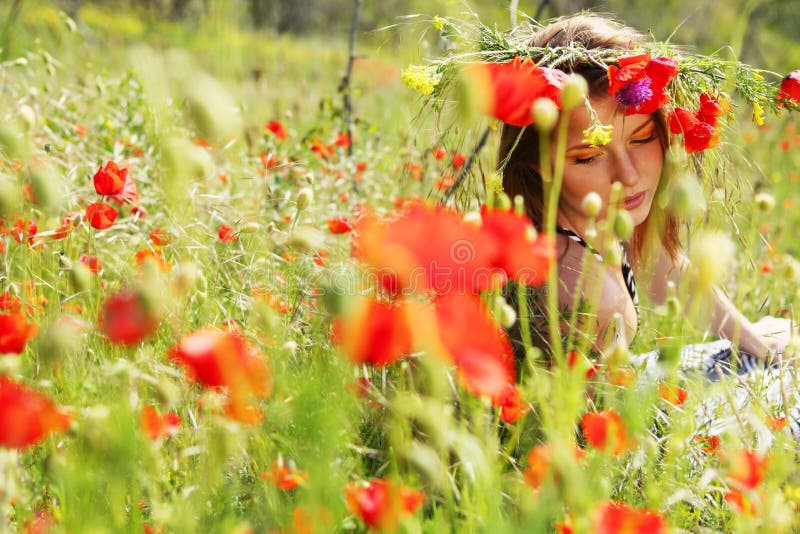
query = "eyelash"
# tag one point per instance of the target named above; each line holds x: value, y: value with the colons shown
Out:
x: 644, y: 141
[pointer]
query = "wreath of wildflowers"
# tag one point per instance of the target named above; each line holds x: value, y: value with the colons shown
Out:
x: 695, y: 90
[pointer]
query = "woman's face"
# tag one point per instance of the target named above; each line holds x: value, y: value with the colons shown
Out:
x: 633, y: 158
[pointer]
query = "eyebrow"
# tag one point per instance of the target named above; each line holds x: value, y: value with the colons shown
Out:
x: 651, y: 120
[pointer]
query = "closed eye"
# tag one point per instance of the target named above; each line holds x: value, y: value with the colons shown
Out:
x: 644, y: 140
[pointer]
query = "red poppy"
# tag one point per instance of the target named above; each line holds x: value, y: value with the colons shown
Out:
x: 740, y: 503
x: 321, y: 149
x: 15, y: 333
x: 620, y: 518
x: 577, y: 361
x: 40, y: 523
x: 672, y: 394
x: 512, y: 407
x: 10, y: 303
x: 126, y: 318
x: 285, y: 477
x: 639, y: 83
x: 698, y: 128
x: 484, y: 358
x: 129, y: 195
x: 439, y: 152
x: 508, y: 90
x: 339, y: 225
x: 523, y: 259
x: 381, y: 503
x: 269, y: 160
x: 342, y: 140
x: 221, y: 358
x: 374, y: 332
x: 227, y: 234
x: 409, y: 256
x: 66, y: 225
x: 92, y: 262
x: 790, y: 89
x: 26, y: 416
x: 414, y: 169
x: 23, y: 230
x: 746, y: 468
x: 708, y: 444
x: 777, y: 423
x: 155, y: 256
x: 155, y: 426
x: 458, y: 160
x: 159, y: 237
x: 278, y: 129
x: 101, y: 216
x: 540, y: 460
x: 605, y: 430
x: 110, y: 180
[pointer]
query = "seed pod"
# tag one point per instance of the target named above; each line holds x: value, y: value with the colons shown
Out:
x: 764, y: 202
x: 592, y: 204
x: 574, y: 92
x: 545, y: 114
x: 304, y: 198
x: 623, y: 225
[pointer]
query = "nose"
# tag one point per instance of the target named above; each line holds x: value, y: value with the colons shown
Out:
x: 625, y: 169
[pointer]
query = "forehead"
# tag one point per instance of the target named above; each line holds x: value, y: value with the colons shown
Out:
x: 608, y: 112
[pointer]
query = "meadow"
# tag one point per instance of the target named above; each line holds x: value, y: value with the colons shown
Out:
x: 188, y: 256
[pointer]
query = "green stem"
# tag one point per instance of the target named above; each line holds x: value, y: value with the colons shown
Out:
x: 551, y: 185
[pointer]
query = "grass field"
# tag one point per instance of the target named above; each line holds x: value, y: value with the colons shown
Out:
x: 211, y: 297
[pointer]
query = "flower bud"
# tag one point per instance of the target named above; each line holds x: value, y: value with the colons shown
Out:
x: 28, y: 115
x: 764, y: 202
x: 304, y: 198
x: 506, y: 315
x: 591, y: 204
x: 519, y: 205
x: 473, y: 218
x: 290, y: 347
x: 250, y: 228
x: 710, y: 257
x: 545, y: 114
x: 623, y: 224
x: 80, y: 276
x: 187, y: 277
x: 502, y: 202
x: 574, y: 92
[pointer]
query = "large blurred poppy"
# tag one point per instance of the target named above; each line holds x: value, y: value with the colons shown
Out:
x: 374, y: 332
x: 155, y: 425
x: 26, y: 416
x: 621, y: 518
x: 605, y: 430
x: 507, y: 91
x: 15, y: 332
x: 127, y: 318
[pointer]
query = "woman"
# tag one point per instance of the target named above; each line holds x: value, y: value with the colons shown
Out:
x: 634, y: 158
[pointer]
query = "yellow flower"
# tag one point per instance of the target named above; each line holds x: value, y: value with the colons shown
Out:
x: 494, y: 182
x: 598, y: 134
x: 439, y: 23
x: 758, y: 113
x: 421, y: 78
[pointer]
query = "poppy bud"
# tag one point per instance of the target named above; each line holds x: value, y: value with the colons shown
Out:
x: 46, y: 187
x: 502, y: 202
x: 187, y: 277
x: 13, y: 140
x: 212, y: 109
x: 764, y: 202
x: 59, y: 340
x: 304, y: 198
x: 687, y: 198
x: 519, y: 205
x: 290, y: 347
x: 28, y: 115
x: 80, y: 276
x: 271, y: 227
x: 473, y: 218
x: 10, y: 197
x: 574, y: 91
x: 250, y: 228
x: 305, y: 240
x: 672, y: 307
x: 545, y: 114
x: 710, y: 257
x: 623, y: 224
x: 506, y: 315
x: 613, y: 254
x: 591, y: 204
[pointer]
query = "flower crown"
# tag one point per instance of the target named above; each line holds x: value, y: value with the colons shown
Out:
x: 690, y: 87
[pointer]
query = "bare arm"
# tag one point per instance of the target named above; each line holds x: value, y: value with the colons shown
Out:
x: 770, y: 335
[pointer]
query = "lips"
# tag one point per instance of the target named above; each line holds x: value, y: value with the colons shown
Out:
x: 634, y: 201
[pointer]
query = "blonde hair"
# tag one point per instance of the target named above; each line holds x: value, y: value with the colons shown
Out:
x: 518, y: 152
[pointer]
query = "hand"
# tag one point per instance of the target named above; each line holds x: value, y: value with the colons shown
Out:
x: 775, y: 333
